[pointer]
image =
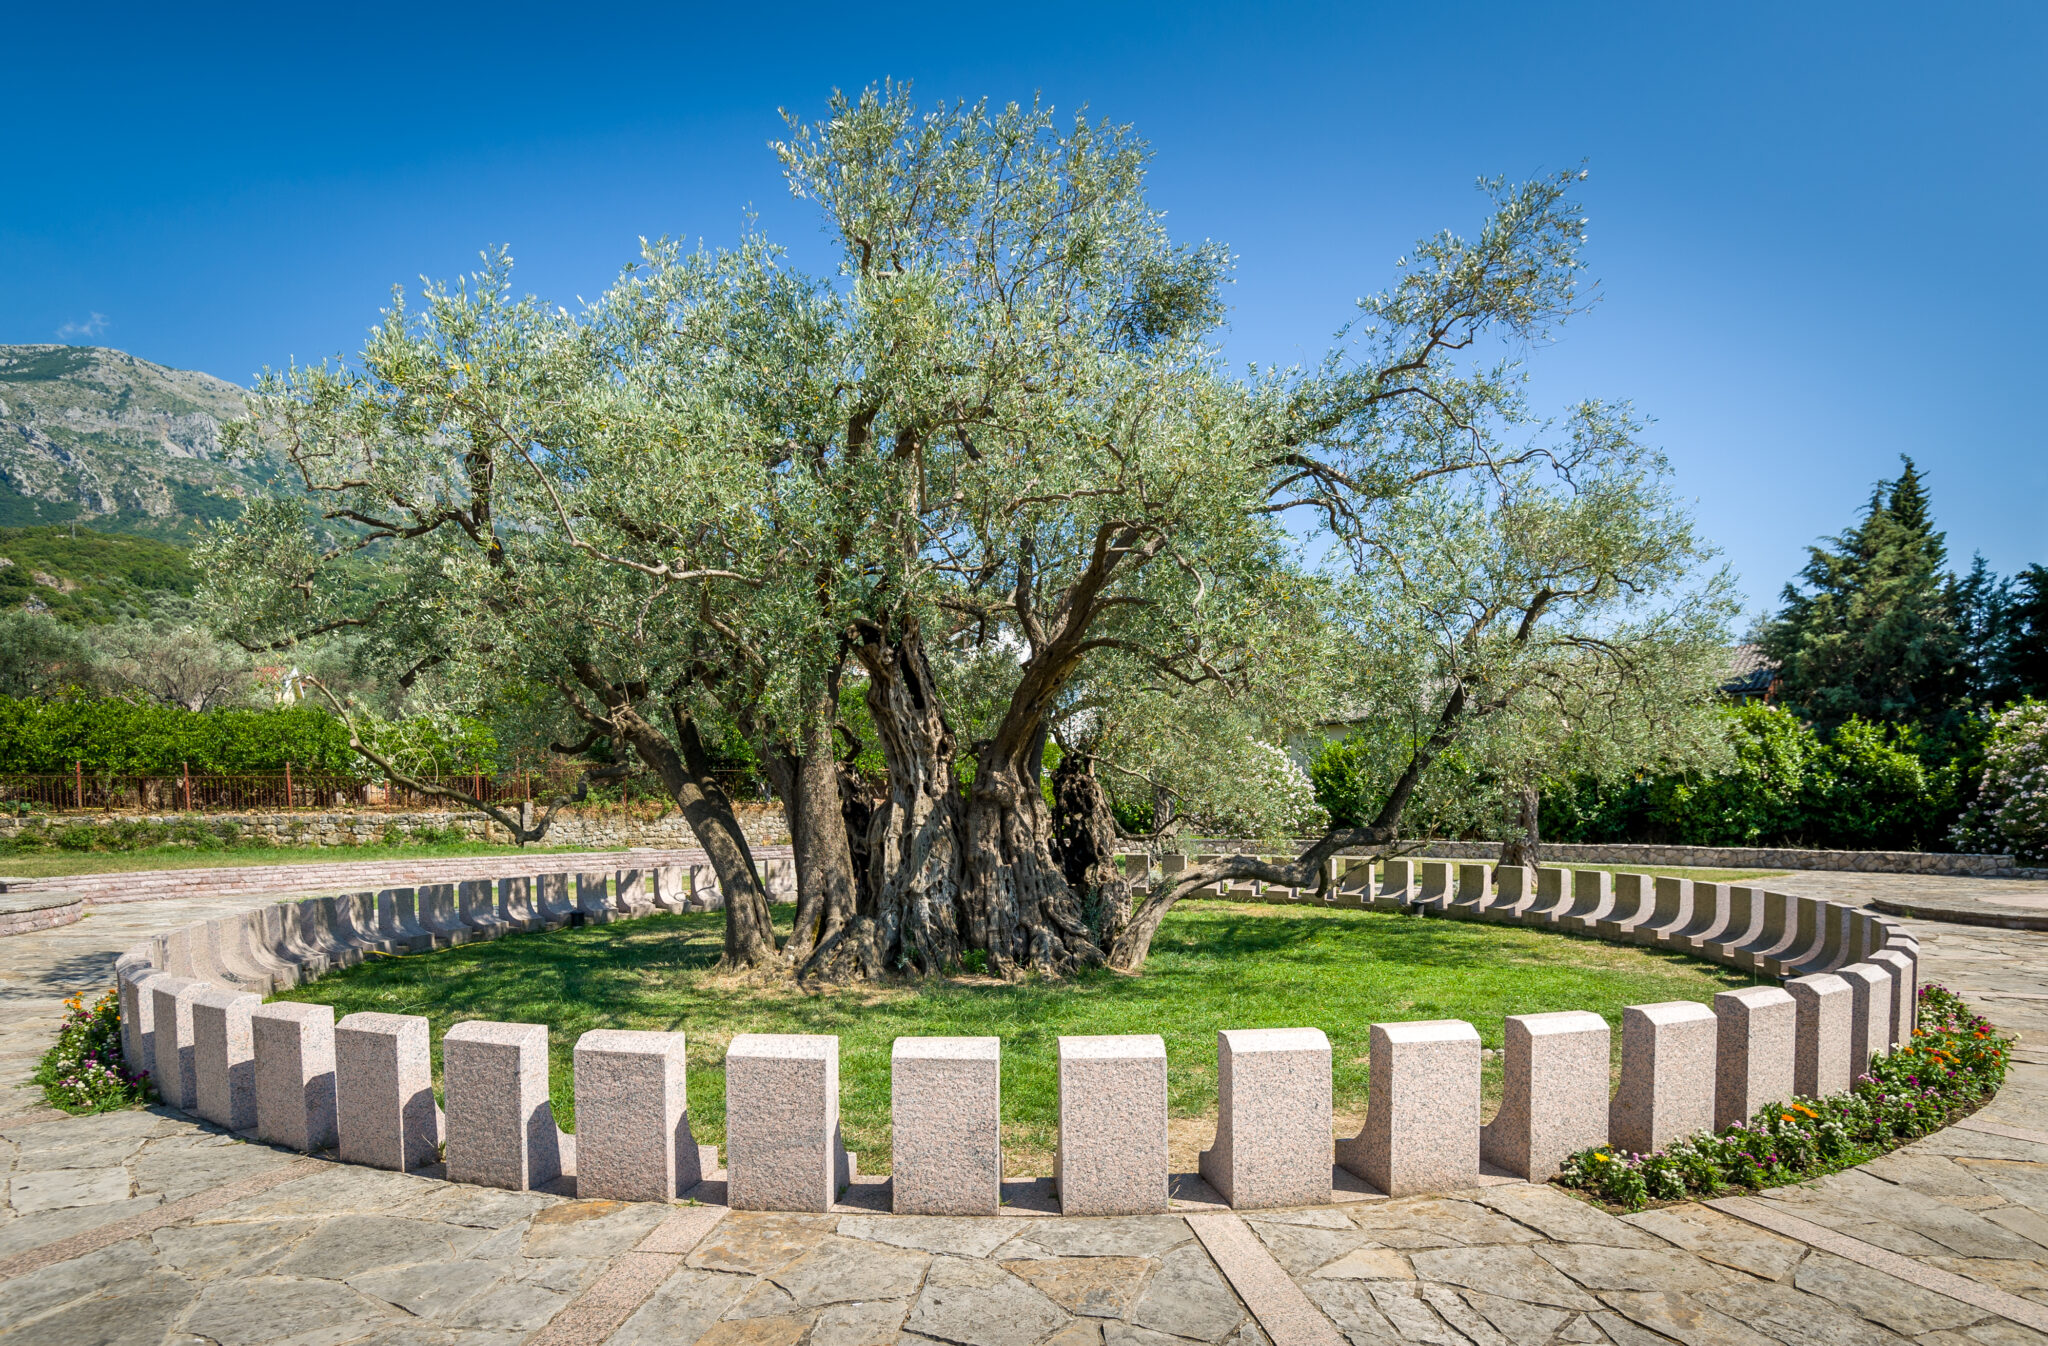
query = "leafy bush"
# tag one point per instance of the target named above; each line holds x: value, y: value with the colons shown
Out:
x: 1865, y: 787
x: 1953, y: 1064
x: 85, y: 1071
x: 127, y: 738
x: 2011, y: 812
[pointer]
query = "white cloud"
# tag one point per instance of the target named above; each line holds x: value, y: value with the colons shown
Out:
x: 91, y: 327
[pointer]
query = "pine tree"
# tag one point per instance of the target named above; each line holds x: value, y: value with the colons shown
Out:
x: 1982, y: 603
x: 1874, y: 632
x: 2023, y: 665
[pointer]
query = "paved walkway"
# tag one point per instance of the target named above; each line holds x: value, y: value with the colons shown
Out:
x: 145, y: 1227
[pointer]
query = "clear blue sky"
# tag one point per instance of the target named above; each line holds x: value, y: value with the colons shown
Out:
x: 1817, y: 228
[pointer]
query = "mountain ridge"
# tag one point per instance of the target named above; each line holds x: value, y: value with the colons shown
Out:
x: 98, y: 437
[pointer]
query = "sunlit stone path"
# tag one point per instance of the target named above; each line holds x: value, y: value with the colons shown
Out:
x: 145, y: 1227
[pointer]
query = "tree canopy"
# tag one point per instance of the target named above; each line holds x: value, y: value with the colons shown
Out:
x: 990, y: 473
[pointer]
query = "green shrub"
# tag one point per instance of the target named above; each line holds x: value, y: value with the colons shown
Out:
x: 2011, y: 811
x: 85, y: 1071
x: 1953, y: 1064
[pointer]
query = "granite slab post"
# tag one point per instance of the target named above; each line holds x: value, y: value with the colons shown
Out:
x: 1744, y: 916
x: 594, y: 897
x: 1397, y: 884
x: 1515, y: 894
x: 1272, y: 1145
x: 1553, y: 895
x: 282, y: 931
x: 178, y: 953
x: 398, y: 919
x: 294, y: 1050
x: 236, y: 968
x: 556, y: 894
x: 1421, y: 1130
x: 384, y: 1091
x: 1667, y: 1075
x: 782, y: 1143
x: 1592, y: 900
x: 438, y: 914
x: 356, y: 921
x: 516, y: 906
x: 1757, y: 1032
x: 1834, y: 920
x: 778, y: 880
x: 1905, y: 994
x: 633, y: 1139
x: 1820, y: 1062
x: 224, y: 1057
x: 632, y: 897
x: 1870, y: 1013
x: 318, y: 930
x: 252, y: 937
x: 476, y: 906
x: 1809, y: 935
x: 672, y: 888
x: 1773, y: 931
x: 501, y: 1130
x: 704, y: 884
x: 1112, y: 1143
x: 946, y: 1121
x: 1553, y: 1092
x: 1436, y: 878
x: 1670, y: 910
x: 138, y: 1020
x: 1709, y: 918
x: 1471, y: 889
x: 177, y: 1068
x: 1635, y: 902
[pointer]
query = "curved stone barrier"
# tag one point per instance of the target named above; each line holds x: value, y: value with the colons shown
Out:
x: 192, y: 1015
x: 23, y: 912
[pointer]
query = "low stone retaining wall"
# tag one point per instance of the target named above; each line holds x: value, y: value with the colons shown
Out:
x: 39, y: 911
x: 192, y: 1013
x: 764, y: 825
x: 1710, y: 857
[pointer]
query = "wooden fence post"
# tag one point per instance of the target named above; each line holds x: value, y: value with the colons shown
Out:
x: 78, y: 780
x: 287, y: 784
x: 186, y: 767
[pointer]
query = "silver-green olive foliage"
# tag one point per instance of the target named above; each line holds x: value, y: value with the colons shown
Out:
x: 991, y: 472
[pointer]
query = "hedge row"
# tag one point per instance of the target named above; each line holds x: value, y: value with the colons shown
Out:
x: 112, y: 736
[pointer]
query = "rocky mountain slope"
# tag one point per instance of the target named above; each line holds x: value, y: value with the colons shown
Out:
x: 99, y: 437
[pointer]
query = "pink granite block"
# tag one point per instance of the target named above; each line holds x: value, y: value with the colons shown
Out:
x: 1397, y: 884
x: 778, y: 879
x: 1870, y: 1014
x: 557, y: 895
x: 138, y: 1019
x: 320, y: 927
x: 501, y: 1131
x: 1667, y: 1075
x: 178, y: 953
x: 1774, y: 930
x: 237, y: 968
x: 633, y: 1139
x: 278, y: 930
x: 594, y: 897
x: 1834, y: 945
x: 356, y: 921
x: 294, y: 1049
x: 946, y: 1116
x: 1742, y: 921
x: 439, y: 915
x: 1635, y: 901
x: 1820, y: 1060
x: 1808, y: 937
x: 1757, y: 1032
x: 1592, y: 900
x: 516, y: 905
x: 476, y: 906
x: 782, y: 1143
x: 1272, y: 1144
x: 224, y: 1057
x: 671, y: 888
x: 704, y: 888
x: 1434, y: 884
x: 1514, y: 893
x: 1553, y: 895
x: 1421, y: 1130
x: 1709, y: 918
x: 1670, y: 910
x: 1553, y: 1092
x: 384, y: 1109
x: 252, y: 936
x: 177, y: 1068
x: 1866, y: 936
x: 1905, y: 994
x: 1354, y: 886
x: 1112, y: 1143
x: 398, y: 921
x: 631, y: 898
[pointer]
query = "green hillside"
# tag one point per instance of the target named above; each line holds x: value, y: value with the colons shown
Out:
x: 103, y: 439
x: 83, y: 576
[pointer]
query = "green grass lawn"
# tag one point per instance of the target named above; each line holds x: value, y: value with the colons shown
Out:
x: 1214, y: 965
x: 54, y: 863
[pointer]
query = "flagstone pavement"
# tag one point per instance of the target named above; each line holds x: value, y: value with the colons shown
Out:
x: 146, y: 1227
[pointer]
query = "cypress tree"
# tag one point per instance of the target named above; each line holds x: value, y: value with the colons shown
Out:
x: 1873, y: 633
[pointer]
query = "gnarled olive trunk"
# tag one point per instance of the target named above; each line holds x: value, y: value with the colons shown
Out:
x: 1084, y: 841
x: 808, y: 782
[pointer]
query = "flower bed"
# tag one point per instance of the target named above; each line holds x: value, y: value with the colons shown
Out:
x: 1953, y: 1065
x: 84, y: 1071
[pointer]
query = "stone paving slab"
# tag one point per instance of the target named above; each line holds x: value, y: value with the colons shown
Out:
x: 145, y: 1226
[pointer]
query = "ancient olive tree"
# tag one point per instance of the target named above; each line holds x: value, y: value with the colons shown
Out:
x: 987, y: 471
